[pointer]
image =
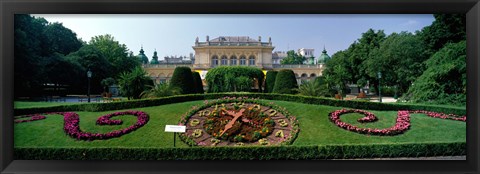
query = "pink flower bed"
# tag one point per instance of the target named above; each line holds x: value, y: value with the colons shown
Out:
x: 72, y: 125
x: 402, y: 123
x: 33, y: 117
x: 72, y: 128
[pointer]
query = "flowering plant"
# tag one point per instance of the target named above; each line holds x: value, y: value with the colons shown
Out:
x: 402, y: 123
x: 33, y: 117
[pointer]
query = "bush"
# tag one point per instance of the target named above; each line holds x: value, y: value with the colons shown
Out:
x: 197, y: 83
x: 246, y: 153
x: 160, y: 90
x: 270, y: 81
x: 285, y: 82
x: 182, y: 78
x: 243, y: 84
x: 445, y: 80
x: 133, y: 83
x: 222, y: 79
x: 282, y: 97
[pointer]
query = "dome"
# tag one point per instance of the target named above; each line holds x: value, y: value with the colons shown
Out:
x: 142, y: 57
x: 324, y: 57
x: 154, y: 58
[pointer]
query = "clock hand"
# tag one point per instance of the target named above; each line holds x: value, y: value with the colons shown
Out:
x: 235, y: 117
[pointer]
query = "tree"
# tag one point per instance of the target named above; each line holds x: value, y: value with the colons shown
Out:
x: 400, y: 58
x: 91, y: 58
x: 293, y: 58
x: 133, y: 83
x: 106, y: 83
x: 285, y: 82
x: 223, y: 78
x: 59, y: 39
x: 182, y: 78
x: 117, y: 54
x: 270, y: 81
x: 312, y: 88
x: 447, y: 28
x: 445, y: 79
x: 160, y: 90
x: 38, y: 44
x: 198, y: 83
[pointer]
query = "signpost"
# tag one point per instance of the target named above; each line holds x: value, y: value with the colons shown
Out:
x: 175, y: 129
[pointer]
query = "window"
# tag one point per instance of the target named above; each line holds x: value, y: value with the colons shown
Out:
x: 214, y: 60
x: 243, y: 60
x: 251, y: 60
x: 233, y: 60
x: 224, y: 60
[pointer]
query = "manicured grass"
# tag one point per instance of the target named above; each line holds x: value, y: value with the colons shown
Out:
x: 315, y: 128
x: 25, y: 104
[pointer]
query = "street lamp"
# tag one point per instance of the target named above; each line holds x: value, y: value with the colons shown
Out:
x: 89, y: 75
x: 379, y: 75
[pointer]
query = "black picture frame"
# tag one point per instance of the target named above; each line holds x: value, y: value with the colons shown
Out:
x: 10, y: 7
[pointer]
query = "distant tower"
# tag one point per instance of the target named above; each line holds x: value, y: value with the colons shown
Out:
x: 142, y: 57
x: 154, y: 58
x: 324, y: 57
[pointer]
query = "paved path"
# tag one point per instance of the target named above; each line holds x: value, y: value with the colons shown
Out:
x: 418, y: 158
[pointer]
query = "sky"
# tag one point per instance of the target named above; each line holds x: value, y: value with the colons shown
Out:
x: 174, y: 34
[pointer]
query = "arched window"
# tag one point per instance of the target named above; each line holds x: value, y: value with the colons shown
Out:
x: 243, y: 60
x: 233, y: 60
x: 224, y: 60
x: 304, y: 75
x: 215, y: 60
x: 251, y: 60
x: 313, y: 75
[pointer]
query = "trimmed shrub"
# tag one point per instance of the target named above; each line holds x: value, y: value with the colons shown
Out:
x: 93, y: 107
x: 285, y: 82
x: 246, y: 153
x: 197, y: 80
x: 222, y: 79
x: 270, y: 81
x: 182, y: 78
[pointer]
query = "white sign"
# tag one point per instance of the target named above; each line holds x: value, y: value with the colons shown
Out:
x: 175, y: 128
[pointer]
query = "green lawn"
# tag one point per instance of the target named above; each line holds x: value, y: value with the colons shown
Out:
x: 316, y: 128
x: 25, y: 104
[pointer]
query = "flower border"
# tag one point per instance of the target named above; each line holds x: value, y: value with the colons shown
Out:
x: 72, y: 124
x: 33, y: 117
x: 402, y: 123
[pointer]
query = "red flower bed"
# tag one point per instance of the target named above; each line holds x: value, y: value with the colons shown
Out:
x: 402, y: 124
x: 72, y: 126
x: 33, y: 117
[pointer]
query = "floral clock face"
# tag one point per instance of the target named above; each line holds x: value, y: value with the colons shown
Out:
x: 239, y: 124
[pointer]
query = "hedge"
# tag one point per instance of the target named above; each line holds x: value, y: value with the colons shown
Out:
x: 246, y: 153
x: 270, y: 81
x: 223, y: 78
x: 197, y: 80
x: 183, y: 78
x: 285, y: 82
x: 282, y: 97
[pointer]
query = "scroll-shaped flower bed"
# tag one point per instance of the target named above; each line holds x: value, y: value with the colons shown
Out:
x: 72, y: 125
x: 33, y: 117
x: 239, y: 121
x: 402, y: 123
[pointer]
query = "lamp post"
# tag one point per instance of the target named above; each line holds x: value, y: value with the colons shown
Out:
x: 379, y: 75
x: 89, y: 75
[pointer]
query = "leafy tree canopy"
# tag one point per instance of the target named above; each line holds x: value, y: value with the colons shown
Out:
x: 293, y: 58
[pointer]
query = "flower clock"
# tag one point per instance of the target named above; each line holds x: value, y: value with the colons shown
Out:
x: 239, y: 122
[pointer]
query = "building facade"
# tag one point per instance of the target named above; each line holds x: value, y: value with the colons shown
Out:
x: 230, y: 50
x: 235, y: 51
